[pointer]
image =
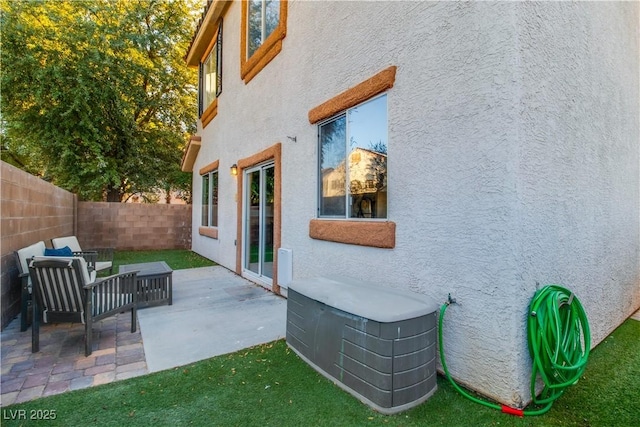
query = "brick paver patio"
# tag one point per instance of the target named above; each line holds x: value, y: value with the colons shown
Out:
x: 61, y: 364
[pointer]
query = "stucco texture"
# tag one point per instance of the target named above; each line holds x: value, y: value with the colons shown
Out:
x: 513, y: 159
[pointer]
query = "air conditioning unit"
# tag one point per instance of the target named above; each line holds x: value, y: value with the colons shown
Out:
x: 377, y: 343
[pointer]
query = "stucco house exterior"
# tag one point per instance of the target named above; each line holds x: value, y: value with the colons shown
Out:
x: 478, y: 149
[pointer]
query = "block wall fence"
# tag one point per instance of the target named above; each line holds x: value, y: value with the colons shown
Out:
x: 33, y: 210
x: 134, y: 226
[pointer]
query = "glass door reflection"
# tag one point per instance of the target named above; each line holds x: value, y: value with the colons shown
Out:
x: 259, y: 219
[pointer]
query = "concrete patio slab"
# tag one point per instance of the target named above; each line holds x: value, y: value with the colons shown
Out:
x: 214, y: 312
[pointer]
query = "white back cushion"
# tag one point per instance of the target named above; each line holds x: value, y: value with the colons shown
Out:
x: 25, y: 255
x: 71, y: 241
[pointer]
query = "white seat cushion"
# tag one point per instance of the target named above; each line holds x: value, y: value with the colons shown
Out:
x: 103, y: 265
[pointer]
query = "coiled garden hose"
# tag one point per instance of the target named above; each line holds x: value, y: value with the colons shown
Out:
x: 559, y: 343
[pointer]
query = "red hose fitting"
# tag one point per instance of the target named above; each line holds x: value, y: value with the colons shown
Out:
x: 513, y: 411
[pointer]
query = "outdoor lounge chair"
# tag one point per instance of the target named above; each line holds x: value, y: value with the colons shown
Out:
x: 23, y: 257
x: 98, y: 258
x: 65, y: 291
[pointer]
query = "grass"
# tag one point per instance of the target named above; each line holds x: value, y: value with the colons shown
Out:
x: 268, y: 385
x: 177, y: 259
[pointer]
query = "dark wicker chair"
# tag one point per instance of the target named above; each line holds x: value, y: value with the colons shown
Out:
x: 65, y: 291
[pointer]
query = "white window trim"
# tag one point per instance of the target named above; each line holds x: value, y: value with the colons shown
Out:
x: 209, y: 194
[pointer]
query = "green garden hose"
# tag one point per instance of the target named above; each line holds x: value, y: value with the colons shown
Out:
x: 559, y: 343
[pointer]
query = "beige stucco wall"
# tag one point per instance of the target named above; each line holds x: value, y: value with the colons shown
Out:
x: 577, y: 165
x: 513, y: 159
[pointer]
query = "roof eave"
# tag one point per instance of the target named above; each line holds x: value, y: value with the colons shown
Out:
x: 190, y: 154
x: 205, y: 31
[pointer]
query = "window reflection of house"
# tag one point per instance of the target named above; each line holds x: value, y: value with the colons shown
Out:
x: 355, y: 189
x: 367, y: 186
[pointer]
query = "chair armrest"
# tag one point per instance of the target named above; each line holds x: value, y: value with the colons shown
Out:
x: 24, y: 279
x: 102, y: 281
x: 85, y: 254
x: 91, y: 257
x: 104, y: 254
x: 113, y: 293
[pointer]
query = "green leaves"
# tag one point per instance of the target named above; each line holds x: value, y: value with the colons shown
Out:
x: 97, y: 92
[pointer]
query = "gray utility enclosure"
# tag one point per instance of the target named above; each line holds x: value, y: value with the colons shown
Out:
x: 379, y: 344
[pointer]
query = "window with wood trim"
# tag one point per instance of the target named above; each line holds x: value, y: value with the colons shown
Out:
x: 264, y: 25
x: 210, y: 79
x: 210, y: 199
x: 262, y: 19
x: 353, y: 162
x: 372, y: 233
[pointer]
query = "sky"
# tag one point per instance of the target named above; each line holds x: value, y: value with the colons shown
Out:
x: 368, y: 123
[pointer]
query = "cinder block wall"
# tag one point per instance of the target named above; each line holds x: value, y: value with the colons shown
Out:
x: 31, y: 210
x: 34, y: 210
x: 131, y: 226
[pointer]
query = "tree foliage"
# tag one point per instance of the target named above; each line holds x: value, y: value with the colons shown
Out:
x: 96, y: 94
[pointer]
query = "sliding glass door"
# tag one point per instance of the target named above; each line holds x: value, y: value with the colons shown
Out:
x: 258, y: 218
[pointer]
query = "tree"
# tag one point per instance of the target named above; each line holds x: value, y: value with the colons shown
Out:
x: 96, y: 94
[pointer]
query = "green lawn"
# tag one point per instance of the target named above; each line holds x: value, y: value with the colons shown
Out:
x: 177, y: 259
x: 269, y: 385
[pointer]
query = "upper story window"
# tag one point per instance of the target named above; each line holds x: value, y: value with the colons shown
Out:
x: 209, y: 79
x: 353, y: 162
x: 263, y: 18
x: 210, y: 86
x: 264, y: 25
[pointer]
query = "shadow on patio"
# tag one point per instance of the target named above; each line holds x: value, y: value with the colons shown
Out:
x: 214, y: 312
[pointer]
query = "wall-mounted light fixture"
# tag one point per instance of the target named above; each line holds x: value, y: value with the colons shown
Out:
x: 234, y: 170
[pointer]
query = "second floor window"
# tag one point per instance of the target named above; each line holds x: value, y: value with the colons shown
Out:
x: 211, y: 74
x: 263, y: 19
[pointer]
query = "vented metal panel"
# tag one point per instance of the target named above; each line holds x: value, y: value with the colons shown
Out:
x: 388, y: 365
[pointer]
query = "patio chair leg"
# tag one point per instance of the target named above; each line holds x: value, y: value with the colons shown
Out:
x: 24, y: 322
x: 134, y: 319
x: 35, y: 328
x: 88, y: 337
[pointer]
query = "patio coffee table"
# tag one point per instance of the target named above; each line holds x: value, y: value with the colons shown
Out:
x: 155, y: 285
